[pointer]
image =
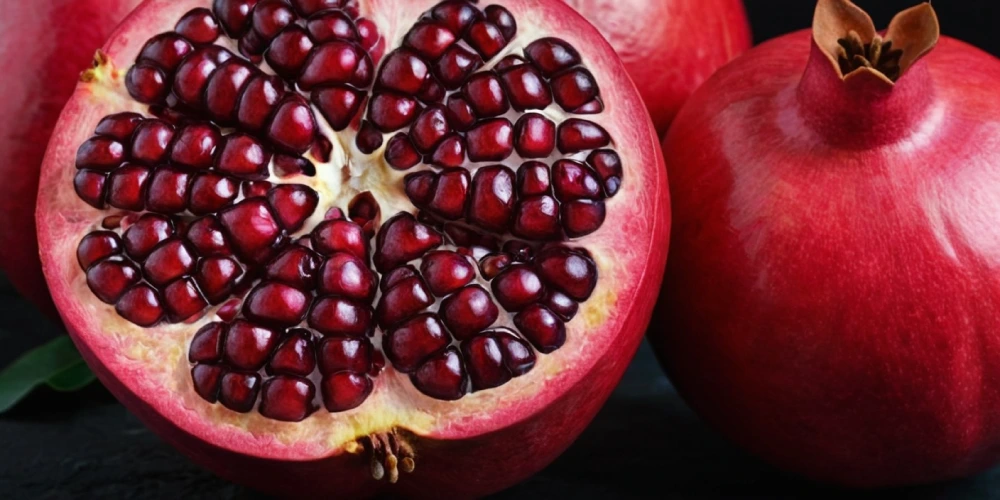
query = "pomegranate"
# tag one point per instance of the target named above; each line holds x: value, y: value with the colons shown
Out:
x: 832, y: 260
x: 320, y: 243
x: 48, y: 63
x: 670, y: 47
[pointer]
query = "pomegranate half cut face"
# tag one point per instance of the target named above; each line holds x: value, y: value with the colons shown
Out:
x: 362, y: 235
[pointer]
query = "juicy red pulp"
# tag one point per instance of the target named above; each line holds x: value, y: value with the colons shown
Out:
x: 459, y: 296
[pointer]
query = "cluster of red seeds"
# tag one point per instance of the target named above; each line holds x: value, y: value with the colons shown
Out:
x: 298, y: 313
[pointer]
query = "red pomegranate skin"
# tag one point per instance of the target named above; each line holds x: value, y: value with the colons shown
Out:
x: 46, y: 44
x: 670, y: 47
x: 832, y: 300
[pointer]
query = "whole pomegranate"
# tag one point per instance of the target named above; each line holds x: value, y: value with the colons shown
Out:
x: 47, y: 63
x: 670, y: 47
x: 329, y: 247
x: 832, y: 301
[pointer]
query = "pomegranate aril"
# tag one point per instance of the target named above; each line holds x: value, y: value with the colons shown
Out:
x: 333, y: 236
x: 332, y: 63
x: 551, y: 55
x: 337, y: 354
x: 450, y: 192
x: 369, y: 37
x: 206, y: 380
x: 449, y: 153
x: 140, y: 305
x: 347, y: 276
x: 542, y: 328
x: 576, y: 135
x: 493, y: 264
x: 573, y: 180
x: 276, y: 305
x: 293, y: 127
x: 340, y: 317
x: 582, y: 217
x: 446, y: 271
x: 195, y: 146
x: 211, y: 192
x: 484, y: 360
x: 526, y: 88
x: 429, y: 39
x: 533, y: 179
x: 456, y: 15
x: 193, y: 74
x: 490, y: 140
x: 573, y: 88
x: 167, y: 191
x: 608, y: 165
x: 227, y: 312
x: 339, y: 105
x: 270, y: 17
x: 369, y: 138
x: 126, y: 187
x: 560, y: 304
x: 517, y: 287
x: 455, y: 66
x: 234, y: 15
x: 468, y: 312
x: 345, y: 390
x: 534, y: 136
x: 295, y: 356
x: 109, y: 279
x: 400, y: 153
x: 97, y: 246
x: 429, y: 129
x: 402, y: 301
x: 491, y: 200
x: 364, y: 209
x: 183, y: 300
x: 486, y: 95
x: 503, y: 19
x: 292, y: 204
x: 460, y: 114
x: 569, y: 271
x: 592, y: 107
x: 206, y: 346
x: 403, y: 239
x: 252, y: 46
x: 296, y: 266
x: 239, y: 391
x: 390, y: 112
x: 442, y: 376
x: 255, y: 189
x: 120, y: 126
x: 364, y: 74
x: 517, y: 355
x: 248, y: 346
x: 165, y: 50
x: 89, y: 186
x: 199, y: 26
x: 145, y: 234
x: 486, y: 39
x: 224, y: 87
x: 413, y: 341
x: 151, y: 141
x: 284, y: 166
x: 258, y: 100
x: 288, y: 52
x: 519, y: 250
x: 403, y: 72
x: 252, y: 229
x: 243, y: 156
x: 167, y: 262
x: 100, y: 153
x: 537, y: 218
x: 147, y: 83
x: 466, y: 239
x: 217, y: 277
x: 395, y: 276
x: 332, y: 25
x: 205, y: 235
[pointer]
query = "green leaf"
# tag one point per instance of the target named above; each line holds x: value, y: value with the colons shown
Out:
x: 57, y: 364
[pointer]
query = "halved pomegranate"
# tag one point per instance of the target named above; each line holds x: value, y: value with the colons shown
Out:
x: 317, y: 243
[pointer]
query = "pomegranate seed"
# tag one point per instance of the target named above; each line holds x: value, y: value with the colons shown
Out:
x: 150, y: 142
x: 484, y: 360
x: 460, y: 114
x: 206, y: 346
x: 337, y: 354
x: 391, y: 112
x: 429, y: 39
x: 276, y: 305
x: 167, y: 191
x: 339, y: 105
x: 293, y: 204
x: 450, y: 192
x: 450, y: 152
x: 365, y: 72
x: 255, y: 189
x: 486, y: 39
x: 295, y: 355
x: 293, y: 127
x: 535, y: 136
x: 306, y: 8
x: 467, y: 238
x: 251, y: 229
x: 146, y: 83
x: 503, y: 19
x: 284, y: 166
x: 468, y: 312
x: 100, y: 153
x: 347, y: 276
x: 429, y: 129
x: 582, y: 217
x: 363, y: 209
x: 120, y: 126
x: 217, y: 277
x: 517, y: 356
x: 332, y: 236
x: 224, y: 87
x: 576, y: 135
x: 419, y: 187
x: 493, y: 264
x: 574, y: 88
x: 517, y: 287
x: 518, y: 250
x: 593, y: 107
x: 183, y: 300
x: 126, y: 186
x: 234, y: 15
x: 248, y: 345
x: 442, y: 376
x: 239, y: 391
x: 608, y: 165
x: 167, y: 262
x: 331, y: 26
x: 551, y: 55
x: 193, y: 74
x: 533, y: 179
x: 195, y: 146
x: 369, y: 36
x: 165, y: 50
x: 89, y: 186
x: 227, y: 312
x: 199, y: 26
x: 491, y: 202
x: 97, y: 246
x: 205, y: 235
x: 403, y: 239
x: 243, y: 156
x: 486, y: 95
x: 403, y: 72
x: 340, y: 317
x: 508, y: 62
x: 542, y: 328
x: 288, y: 52
x: 270, y: 17
x: 109, y: 279
x: 409, y: 344
x: 146, y: 234
x: 400, y: 153
x: 455, y: 66
x: 402, y: 301
x: 526, y: 88
x: 536, y: 218
x: 369, y: 138
x: 211, y: 192
x: 560, y: 304
x: 296, y: 266
x: 252, y: 46
x: 258, y: 101
x: 490, y: 140
x: 456, y: 15
x: 332, y: 63
x: 140, y: 305
x: 207, y: 379
x: 446, y: 271
x: 573, y: 180
x: 344, y: 391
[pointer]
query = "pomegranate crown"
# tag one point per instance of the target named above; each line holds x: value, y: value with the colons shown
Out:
x: 846, y: 35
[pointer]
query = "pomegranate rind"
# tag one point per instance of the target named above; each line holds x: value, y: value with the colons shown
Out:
x: 461, y: 445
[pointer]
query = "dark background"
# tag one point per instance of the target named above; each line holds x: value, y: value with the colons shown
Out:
x: 644, y: 443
